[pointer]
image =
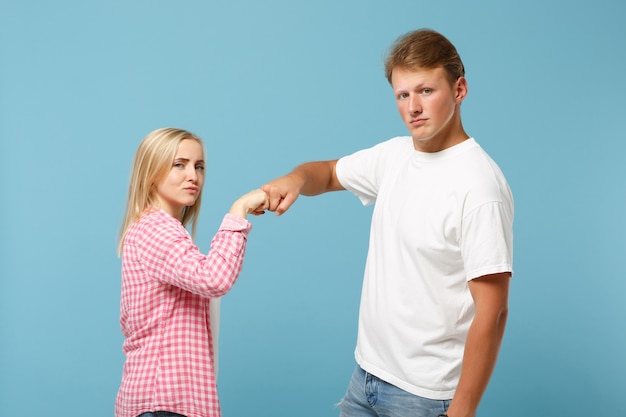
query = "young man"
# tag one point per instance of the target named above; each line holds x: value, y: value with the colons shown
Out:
x: 435, y: 290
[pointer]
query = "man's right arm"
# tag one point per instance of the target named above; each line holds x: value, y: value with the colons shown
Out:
x: 311, y: 178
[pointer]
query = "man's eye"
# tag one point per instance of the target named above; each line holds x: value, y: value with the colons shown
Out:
x: 427, y: 91
x: 403, y: 95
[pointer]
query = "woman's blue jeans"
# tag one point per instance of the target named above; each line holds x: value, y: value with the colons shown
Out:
x: 369, y: 396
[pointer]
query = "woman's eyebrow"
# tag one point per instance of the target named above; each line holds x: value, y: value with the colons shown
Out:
x: 183, y: 159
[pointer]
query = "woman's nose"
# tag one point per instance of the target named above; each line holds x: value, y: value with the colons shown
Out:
x: 192, y: 174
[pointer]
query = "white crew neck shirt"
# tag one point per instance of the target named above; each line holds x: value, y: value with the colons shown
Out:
x: 440, y: 219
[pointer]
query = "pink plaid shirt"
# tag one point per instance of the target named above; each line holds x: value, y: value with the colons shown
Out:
x: 167, y: 284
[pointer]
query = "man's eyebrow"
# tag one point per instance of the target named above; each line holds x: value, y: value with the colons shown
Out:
x: 418, y: 86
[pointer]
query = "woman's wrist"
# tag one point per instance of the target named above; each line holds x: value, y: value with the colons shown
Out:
x: 238, y: 209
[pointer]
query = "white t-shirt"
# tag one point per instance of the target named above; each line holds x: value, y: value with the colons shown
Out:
x: 440, y: 220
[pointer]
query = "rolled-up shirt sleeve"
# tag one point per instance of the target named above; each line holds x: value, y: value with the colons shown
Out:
x: 169, y: 255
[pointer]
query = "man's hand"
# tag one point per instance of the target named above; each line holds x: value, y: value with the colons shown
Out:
x: 311, y: 178
x: 282, y: 192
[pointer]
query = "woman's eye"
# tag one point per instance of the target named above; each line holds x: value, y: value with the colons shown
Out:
x: 200, y: 167
x: 178, y: 165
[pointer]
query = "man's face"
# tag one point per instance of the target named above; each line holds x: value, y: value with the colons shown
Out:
x: 429, y: 107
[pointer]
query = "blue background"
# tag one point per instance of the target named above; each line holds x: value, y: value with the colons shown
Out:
x: 270, y: 84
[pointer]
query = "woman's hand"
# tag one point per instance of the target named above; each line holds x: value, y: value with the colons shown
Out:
x: 254, y: 202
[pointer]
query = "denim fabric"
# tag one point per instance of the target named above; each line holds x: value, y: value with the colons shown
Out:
x: 369, y: 396
x: 160, y: 414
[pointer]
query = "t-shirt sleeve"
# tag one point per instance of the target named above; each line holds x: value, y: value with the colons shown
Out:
x: 487, y: 240
x: 362, y: 172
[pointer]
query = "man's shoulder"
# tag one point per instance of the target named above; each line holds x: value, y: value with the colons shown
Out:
x: 389, y: 147
x: 397, y: 144
x: 400, y: 141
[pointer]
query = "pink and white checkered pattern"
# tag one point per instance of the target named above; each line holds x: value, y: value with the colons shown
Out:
x: 167, y: 284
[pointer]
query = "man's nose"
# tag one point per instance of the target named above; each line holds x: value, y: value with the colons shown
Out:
x: 415, y: 106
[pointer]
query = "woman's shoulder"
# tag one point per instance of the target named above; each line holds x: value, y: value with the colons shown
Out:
x: 156, y: 222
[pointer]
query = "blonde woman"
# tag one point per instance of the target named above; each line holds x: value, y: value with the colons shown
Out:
x: 168, y: 285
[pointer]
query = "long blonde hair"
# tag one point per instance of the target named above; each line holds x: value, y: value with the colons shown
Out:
x: 152, y: 163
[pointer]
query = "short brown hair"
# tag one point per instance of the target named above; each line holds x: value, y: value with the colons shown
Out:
x: 424, y: 48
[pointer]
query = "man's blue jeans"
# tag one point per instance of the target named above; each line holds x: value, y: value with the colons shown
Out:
x: 369, y: 396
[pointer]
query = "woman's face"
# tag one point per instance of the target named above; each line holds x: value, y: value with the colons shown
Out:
x: 182, y: 185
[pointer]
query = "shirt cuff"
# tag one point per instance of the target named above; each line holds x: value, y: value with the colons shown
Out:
x: 235, y: 223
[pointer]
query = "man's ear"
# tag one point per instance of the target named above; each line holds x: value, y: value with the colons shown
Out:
x: 461, y: 89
